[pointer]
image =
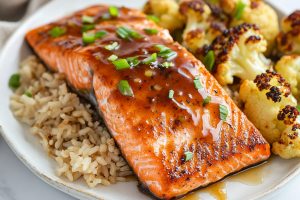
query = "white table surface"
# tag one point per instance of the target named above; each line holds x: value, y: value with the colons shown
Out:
x: 18, y: 183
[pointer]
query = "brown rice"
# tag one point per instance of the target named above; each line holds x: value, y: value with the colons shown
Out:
x: 81, y: 146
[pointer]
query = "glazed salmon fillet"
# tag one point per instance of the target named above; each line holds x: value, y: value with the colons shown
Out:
x: 174, y: 124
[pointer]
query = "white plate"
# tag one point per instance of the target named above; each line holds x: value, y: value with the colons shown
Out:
x: 27, y: 148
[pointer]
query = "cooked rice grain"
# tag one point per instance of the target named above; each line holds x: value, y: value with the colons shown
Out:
x: 81, y: 146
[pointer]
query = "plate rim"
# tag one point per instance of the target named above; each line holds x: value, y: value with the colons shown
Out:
x: 75, y: 192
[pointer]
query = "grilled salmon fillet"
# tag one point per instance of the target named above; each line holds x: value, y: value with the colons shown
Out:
x: 174, y: 124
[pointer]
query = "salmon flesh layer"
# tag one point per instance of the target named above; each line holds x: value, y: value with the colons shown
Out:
x: 174, y: 124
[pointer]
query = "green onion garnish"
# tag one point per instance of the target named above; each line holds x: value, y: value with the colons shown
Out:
x: 206, y: 100
x: 87, y: 19
x: 133, y: 61
x: 188, y: 155
x: 88, y: 38
x: 28, y: 93
x: 100, y: 34
x: 223, y: 112
x: 113, y: 57
x: 121, y: 64
x: 165, y: 52
x: 197, y: 84
x: 152, y: 58
x: 125, y: 88
x: 112, y: 46
x: 151, y: 31
x: 171, y: 94
x: 239, y: 10
x: 57, y: 31
x: 209, y: 60
x: 167, y: 64
x: 14, y: 81
x: 153, y: 18
x: 298, y: 107
x: 113, y: 11
x: 127, y: 34
x: 87, y: 27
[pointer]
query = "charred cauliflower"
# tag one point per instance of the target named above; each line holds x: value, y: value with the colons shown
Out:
x: 168, y: 13
x: 263, y: 99
x: 289, y: 67
x: 254, y: 12
x: 288, y: 146
x: 288, y: 41
x: 239, y: 53
x: 201, y: 26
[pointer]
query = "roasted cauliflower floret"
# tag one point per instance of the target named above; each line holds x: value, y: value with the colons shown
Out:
x: 201, y: 26
x: 168, y: 13
x: 263, y: 99
x: 288, y: 41
x: 289, y: 67
x: 288, y: 146
x: 239, y: 53
x: 254, y: 12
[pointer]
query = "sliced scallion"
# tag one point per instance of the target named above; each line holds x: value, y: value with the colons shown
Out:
x: 127, y: 34
x: 209, y: 60
x: 113, y: 11
x: 151, y: 31
x: 197, y: 84
x: 88, y: 38
x: 87, y: 19
x: 188, y: 155
x: 112, y: 46
x: 57, y: 31
x: 121, y: 64
x: 133, y: 61
x: 223, y: 112
x: 167, y: 64
x: 166, y: 52
x: 28, y: 93
x: 87, y: 27
x: 14, y: 81
x: 113, y: 57
x: 171, y: 94
x: 153, y: 18
x: 239, y: 10
x: 152, y: 58
x: 206, y: 100
x: 298, y: 107
x: 125, y: 88
x: 100, y: 34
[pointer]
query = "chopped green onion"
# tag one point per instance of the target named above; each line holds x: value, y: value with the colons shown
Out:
x: 298, y: 107
x: 152, y: 58
x: 197, y: 84
x: 148, y: 73
x: 206, y: 100
x: 171, y: 94
x: 153, y: 18
x: 151, y: 31
x: 223, y: 112
x: 14, y: 81
x: 112, y: 46
x: 165, y: 52
x: 28, y: 93
x: 127, y: 34
x: 87, y: 19
x: 113, y: 11
x: 161, y: 48
x: 121, y: 64
x: 239, y: 10
x: 57, y: 31
x: 100, y: 34
x: 88, y: 38
x: 188, y: 155
x: 133, y: 61
x: 167, y: 64
x: 87, y: 27
x: 125, y: 88
x: 113, y: 57
x: 209, y: 60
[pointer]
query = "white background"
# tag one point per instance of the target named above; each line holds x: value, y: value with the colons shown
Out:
x: 18, y: 183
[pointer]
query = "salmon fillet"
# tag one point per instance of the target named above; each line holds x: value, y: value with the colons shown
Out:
x: 174, y: 124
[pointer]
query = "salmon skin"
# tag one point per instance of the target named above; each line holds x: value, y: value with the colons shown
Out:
x: 174, y: 124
